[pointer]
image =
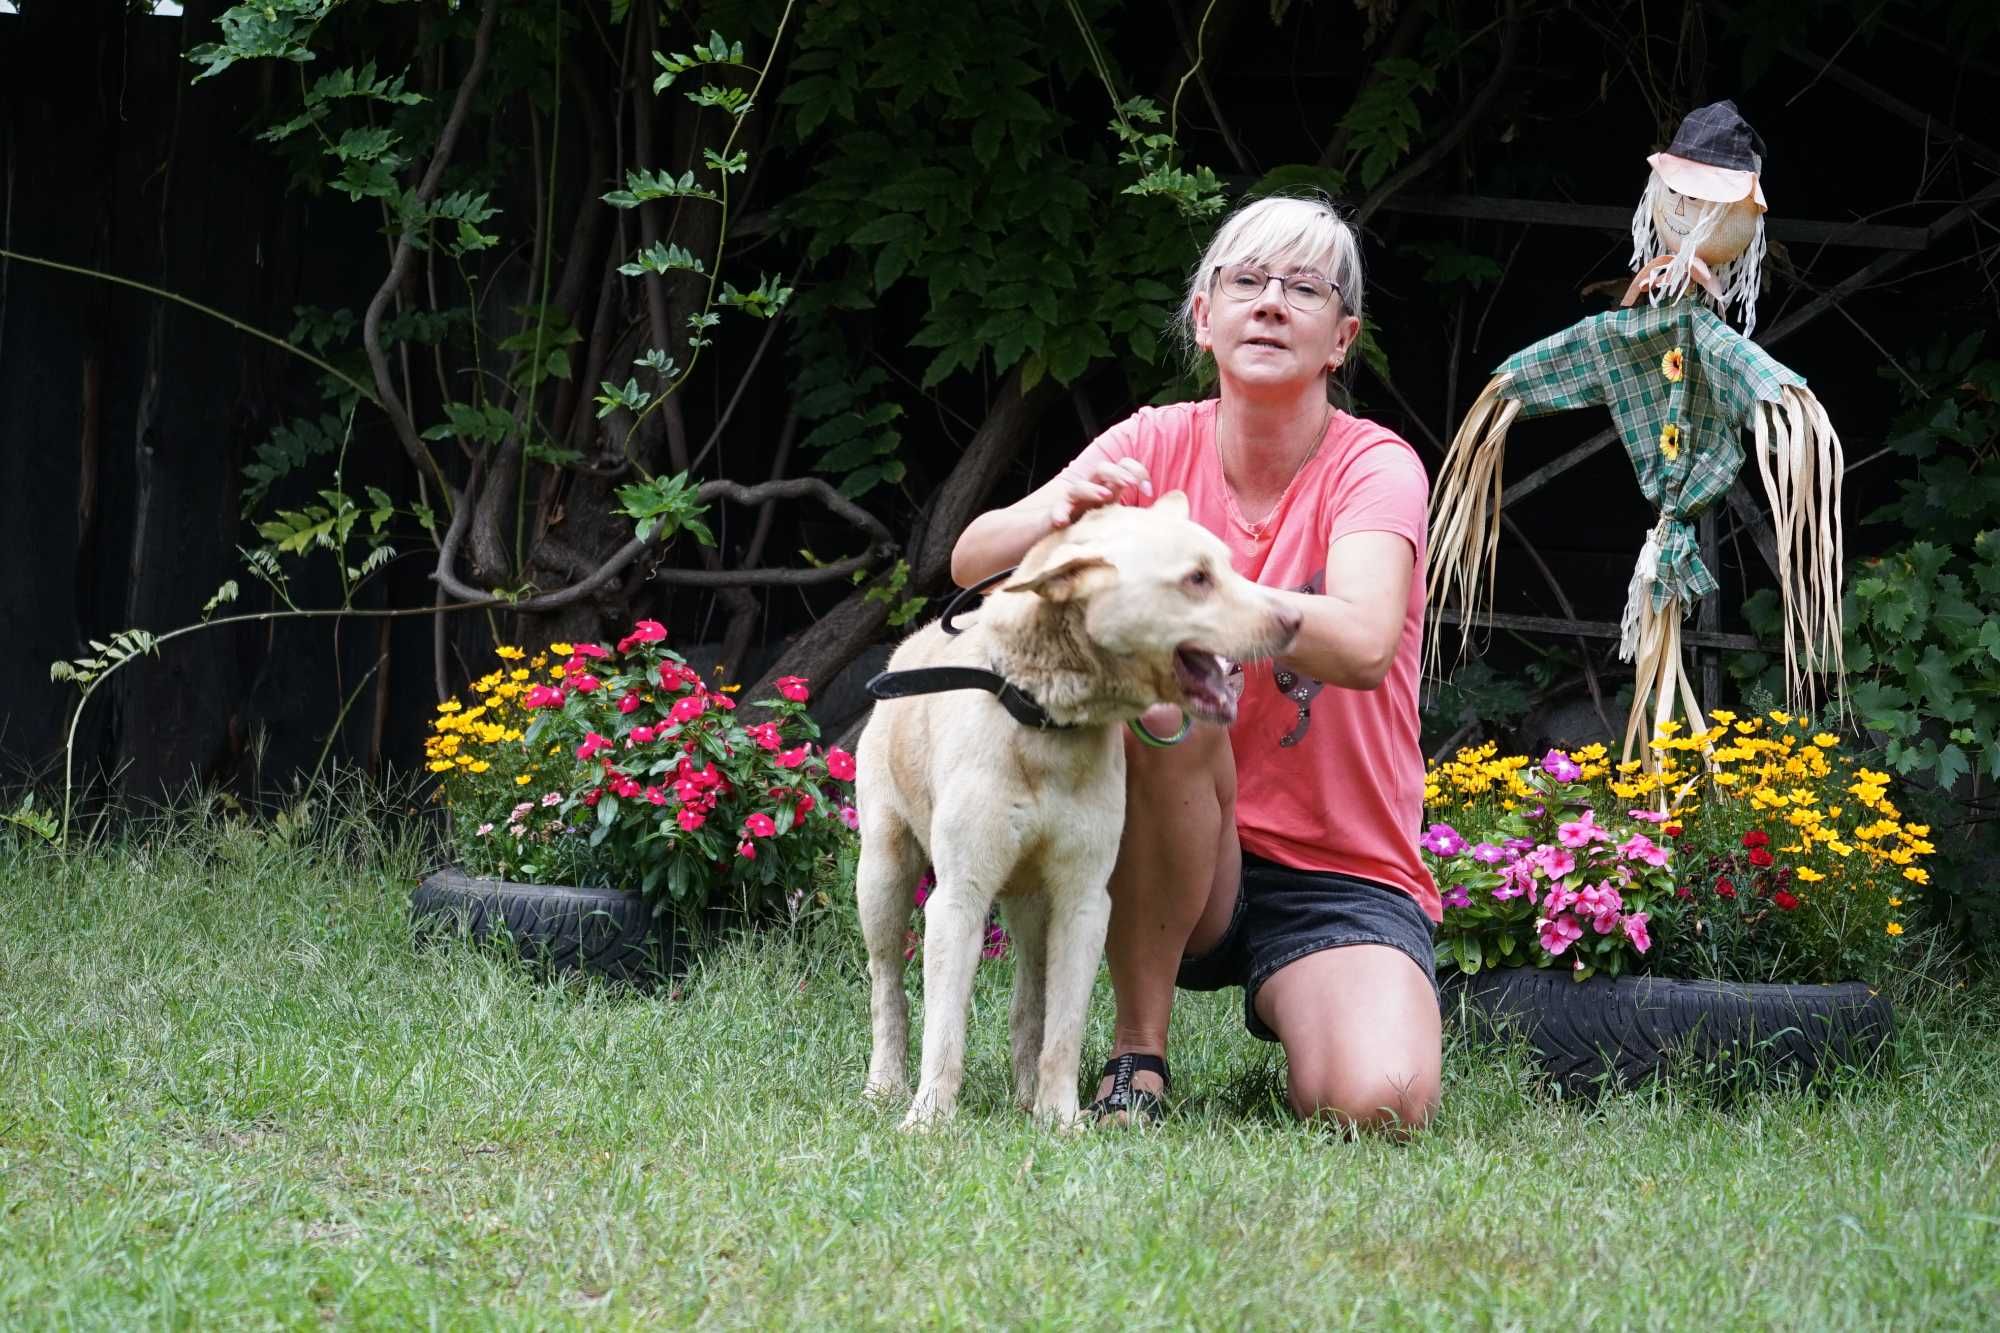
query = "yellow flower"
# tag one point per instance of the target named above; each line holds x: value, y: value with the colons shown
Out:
x: 1893, y: 928
x: 1825, y: 742
x: 479, y: 766
x: 523, y: 780
x: 562, y: 649
x: 1917, y: 875
x: 1670, y: 726
x: 439, y: 765
x: 1670, y: 441
x: 1673, y: 365
x: 1722, y: 715
x: 1809, y: 875
x: 450, y: 706
x: 1920, y: 830
x: 518, y: 673
x: 508, y: 653
x: 1782, y: 719
x: 1895, y: 902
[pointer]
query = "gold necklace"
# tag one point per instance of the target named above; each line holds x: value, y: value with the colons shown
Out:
x: 1257, y: 529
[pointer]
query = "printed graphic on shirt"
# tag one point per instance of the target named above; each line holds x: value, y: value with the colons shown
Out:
x: 1294, y: 684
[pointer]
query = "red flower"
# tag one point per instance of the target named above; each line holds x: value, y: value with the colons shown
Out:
x: 766, y: 735
x: 592, y: 743
x: 747, y: 850
x: 1683, y: 892
x: 590, y: 650
x: 543, y: 696
x: 646, y: 631
x: 590, y: 797
x: 793, y: 688
x: 806, y: 804
x: 1759, y: 857
x: 687, y: 708
x: 791, y: 758
x: 626, y: 788
x: 1756, y: 837
x: 656, y: 796
x: 723, y: 701
x: 1671, y: 830
x: 586, y: 683
x: 1724, y: 889
x: 690, y: 818
x: 840, y: 763
x: 1785, y: 901
x: 629, y: 704
x: 644, y: 735
x: 760, y: 825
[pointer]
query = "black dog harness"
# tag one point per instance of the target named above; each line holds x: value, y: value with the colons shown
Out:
x: 1020, y: 705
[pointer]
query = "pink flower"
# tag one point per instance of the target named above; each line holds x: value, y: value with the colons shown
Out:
x: 1561, y: 767
x: 1442, y: 840
x: 1553, y: 862
x: 586, y: 683
x: 1583, y: 831
x: 592, y: 744
x: 793, y: 688
x: 1642, y: 848
x: 1488, y: 854
x: 1650, y: 816
x: 687, y: 708
x: 646, y: 631
x: 1635, y: 931
x: 840, y: 763
x: 552, y: 798
x: 1458, y: 897
x: 520, y: 812
x: 850, y: 817
x: 747, y: 850
x: 1599, y: 900
x: 590, y: 650
x: 690, y: 818
x: 629, y: 704
x: 543, y: 696
x: 766, y: 735
x: 485, y: 829
x: 1559, y: 933
x: 791, y: 758
x: 1558, y: 899
x: 760, y: 824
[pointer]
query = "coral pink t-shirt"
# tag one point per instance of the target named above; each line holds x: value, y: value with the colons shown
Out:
x: 1328, y: 778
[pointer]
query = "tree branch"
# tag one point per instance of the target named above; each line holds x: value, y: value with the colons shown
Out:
x: 399, y: 265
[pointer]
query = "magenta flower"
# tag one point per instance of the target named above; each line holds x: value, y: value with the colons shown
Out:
x: 1583, y: 831
x: 629, y: 704
x: 1635, y: 930
x: 1650, y: 816
x: 1519, y: 845
x: 1442, y: 840
x: 586, y: 683
x: 1488, y: 854
x: 850, y: 817
x: 1508, y: 888
x: 542, y: 696
x: 1458, y: 897
x: 1558, y: 933
x: 1561, y: 767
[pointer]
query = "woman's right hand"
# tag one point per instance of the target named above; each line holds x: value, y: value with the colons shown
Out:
x: 1117, y: 481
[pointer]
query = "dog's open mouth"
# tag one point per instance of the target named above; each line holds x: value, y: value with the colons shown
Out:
x: 1204, y: 680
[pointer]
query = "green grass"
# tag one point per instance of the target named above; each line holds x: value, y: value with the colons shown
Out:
x: 230, y: 1095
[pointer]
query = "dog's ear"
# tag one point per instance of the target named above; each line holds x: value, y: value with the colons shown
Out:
x: 1174, y: 503
x: 1079, y: 576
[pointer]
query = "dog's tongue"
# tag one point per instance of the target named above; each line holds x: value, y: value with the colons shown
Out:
x: 1203, y: 681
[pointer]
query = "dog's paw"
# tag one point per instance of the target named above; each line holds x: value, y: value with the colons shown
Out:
x: 880, y: 1091
x: 924, y: 1116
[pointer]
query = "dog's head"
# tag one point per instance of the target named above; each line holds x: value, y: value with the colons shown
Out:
x: 1155, y: 593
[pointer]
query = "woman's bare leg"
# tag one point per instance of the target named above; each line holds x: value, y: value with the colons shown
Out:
x: 1363, y: 1037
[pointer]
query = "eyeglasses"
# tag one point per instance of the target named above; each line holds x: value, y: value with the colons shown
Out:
x: 1303, y: 291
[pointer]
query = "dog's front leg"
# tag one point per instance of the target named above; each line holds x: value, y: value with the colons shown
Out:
x: 885, y: 887
x: 1027, y: 916
x: 954, y: 926
x: 1079, y: 913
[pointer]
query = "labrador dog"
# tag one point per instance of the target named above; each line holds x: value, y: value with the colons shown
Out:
x: 1124, y: 609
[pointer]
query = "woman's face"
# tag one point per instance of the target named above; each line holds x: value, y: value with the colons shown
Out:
x: 1266, y: 343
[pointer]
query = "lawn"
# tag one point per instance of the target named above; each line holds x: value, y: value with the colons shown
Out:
x: 231, y: 1096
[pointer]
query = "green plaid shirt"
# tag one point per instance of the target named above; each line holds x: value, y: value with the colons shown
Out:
x: 1619, y: 359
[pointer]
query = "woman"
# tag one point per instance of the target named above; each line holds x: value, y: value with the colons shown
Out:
x: 1279, y: 855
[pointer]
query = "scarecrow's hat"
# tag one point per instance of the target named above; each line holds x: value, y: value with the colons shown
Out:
x: 1715, y: 155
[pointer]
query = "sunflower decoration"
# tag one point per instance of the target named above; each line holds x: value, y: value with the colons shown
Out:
x: 1678, y: 380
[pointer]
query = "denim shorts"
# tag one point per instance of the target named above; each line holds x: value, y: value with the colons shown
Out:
x: 1283, y: 914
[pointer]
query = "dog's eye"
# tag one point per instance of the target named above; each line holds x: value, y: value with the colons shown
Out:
x: 1198, y: 579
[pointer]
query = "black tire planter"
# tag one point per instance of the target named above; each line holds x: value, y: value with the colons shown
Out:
x: 604, y: 932
x: 1622, y: 1031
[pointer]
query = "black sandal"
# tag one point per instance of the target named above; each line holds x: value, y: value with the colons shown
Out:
x: 1134, y: 1103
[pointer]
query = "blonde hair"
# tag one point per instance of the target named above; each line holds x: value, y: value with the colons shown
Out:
x: 1286, y: 233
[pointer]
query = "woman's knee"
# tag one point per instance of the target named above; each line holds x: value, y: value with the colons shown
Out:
x: 1374, y: 1100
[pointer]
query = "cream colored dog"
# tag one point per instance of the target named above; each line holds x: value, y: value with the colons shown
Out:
x: 1124, y: 609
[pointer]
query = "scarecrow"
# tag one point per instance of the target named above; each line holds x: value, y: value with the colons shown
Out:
x: 1683, y: 388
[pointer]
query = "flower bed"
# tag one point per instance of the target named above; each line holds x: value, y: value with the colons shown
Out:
x: 620, y: 767
x: 1754, y: 852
